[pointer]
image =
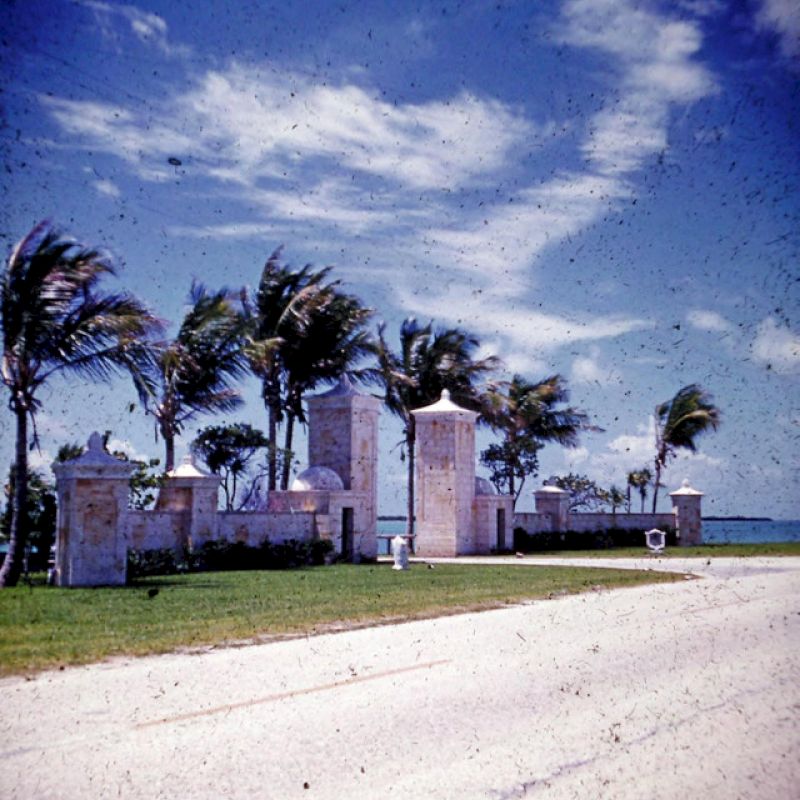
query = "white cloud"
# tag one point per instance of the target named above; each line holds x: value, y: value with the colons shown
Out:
x: 777, y: 347
x: 710, y: 321
x: 107, y: 188
x: 588, y: 369
x: 147, y: 27
x: 782, y: 18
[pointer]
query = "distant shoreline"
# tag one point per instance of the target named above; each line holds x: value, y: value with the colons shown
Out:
x: 738, y: 519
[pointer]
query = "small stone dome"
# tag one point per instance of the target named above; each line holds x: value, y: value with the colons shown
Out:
x: 317, y: 479
x: 483, y: 486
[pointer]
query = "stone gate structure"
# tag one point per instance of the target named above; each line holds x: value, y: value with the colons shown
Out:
x: 457, y: 513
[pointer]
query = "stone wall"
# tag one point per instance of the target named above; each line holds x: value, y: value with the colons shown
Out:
x: 253, y: 528
x: 533, y: 522
x: 603, y: 521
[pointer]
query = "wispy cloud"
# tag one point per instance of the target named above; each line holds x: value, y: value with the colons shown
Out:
x: 782, y: 18
x: 777, y: 347
x: 709, y: 321
x: 147, y: 27
x: 107, y: 188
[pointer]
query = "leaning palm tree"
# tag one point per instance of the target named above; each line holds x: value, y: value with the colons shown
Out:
x: 529, y: 415
x: 192, y: 374
x: 277, y: 315
x: 333, y: 341
x: 427, y: 362
x: 679, y: 422
x: 55, y: 319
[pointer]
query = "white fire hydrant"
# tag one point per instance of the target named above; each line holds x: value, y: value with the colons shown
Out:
x: 400, y: 552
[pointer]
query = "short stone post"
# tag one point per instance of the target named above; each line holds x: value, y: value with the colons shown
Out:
x: 400, y: 552
x: 686, y: 507
x: 91, y: 548
x: 554, y: 502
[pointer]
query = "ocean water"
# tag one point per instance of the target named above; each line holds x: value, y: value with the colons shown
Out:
x: 747, y: 532
x: 714, y: 531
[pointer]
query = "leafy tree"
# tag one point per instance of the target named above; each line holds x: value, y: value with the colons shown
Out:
x: 528, y: 415
x: 332, y: 342
x: 192, y: 374
x: 55, y: 319
x: 511, y: 461
x: 679, y: 421
x: 40, y: 516
x: 584, y: 493
x: 640, y: 480
x: 278, y: 315
x: 227, y: 450
x: 414, y: 376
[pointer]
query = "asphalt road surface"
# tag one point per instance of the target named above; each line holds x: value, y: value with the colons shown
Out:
x: 687, y: 690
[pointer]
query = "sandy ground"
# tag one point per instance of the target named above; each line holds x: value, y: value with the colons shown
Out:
x: 686, y: 690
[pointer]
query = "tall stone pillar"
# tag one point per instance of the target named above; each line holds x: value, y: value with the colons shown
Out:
x: 445, y: 479
x: 91, y: 548
x: 343, y: 436
x: 686, y: 504
x: 196, y: 494
x: 554, y: 502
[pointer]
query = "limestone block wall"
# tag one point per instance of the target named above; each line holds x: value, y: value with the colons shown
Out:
x: 156, y: 530
x: 493, y: 531
x: 533, y: 522
x: 309, y: 501
x: 253, y: 528
x: 602, y: 521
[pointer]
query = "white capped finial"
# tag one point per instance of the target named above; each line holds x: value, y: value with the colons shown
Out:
x: 445, y: 394
x: 188, y: 459
x: 685, y: 483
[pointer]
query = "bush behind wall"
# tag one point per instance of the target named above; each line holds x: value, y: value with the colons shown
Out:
x: 226, y: 556
x: 544, y: 541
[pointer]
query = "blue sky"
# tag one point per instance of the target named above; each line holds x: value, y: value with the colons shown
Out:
x: 601, y: 188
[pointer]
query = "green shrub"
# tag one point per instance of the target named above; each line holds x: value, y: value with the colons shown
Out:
x: 226, y: 556
x: 152, y: 562
x: 583, y: 540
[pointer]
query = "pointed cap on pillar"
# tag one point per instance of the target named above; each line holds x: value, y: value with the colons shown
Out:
x: 187, y: 469
x: 444, y: 405
x: 686, y: 489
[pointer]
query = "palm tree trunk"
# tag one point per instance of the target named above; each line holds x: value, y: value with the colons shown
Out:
x: 12, y: 566
x: 169, y: 444
x: 656, y: 484
x: 287, y: 449
x: 272, y: 454
x: 411, y: 438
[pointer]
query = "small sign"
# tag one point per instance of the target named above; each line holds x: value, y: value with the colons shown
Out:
x: 656, y: 540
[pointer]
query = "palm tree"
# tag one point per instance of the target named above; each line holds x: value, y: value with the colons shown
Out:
x: 55, y: 319
x: 192, y: 374
x: 332, y: 342
x: 615, y: 497
x: 278, y: 315
x: 639, y: 479
x: 427, y: 362
x: 529, y: 415
x: 679, y: 422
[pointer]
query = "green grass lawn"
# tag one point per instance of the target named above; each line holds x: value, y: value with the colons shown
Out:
x: 43, y: 627
x: 704, y: 551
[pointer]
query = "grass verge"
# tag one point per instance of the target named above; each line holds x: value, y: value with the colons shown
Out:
x: 44, y: 627
x: 702, y: 551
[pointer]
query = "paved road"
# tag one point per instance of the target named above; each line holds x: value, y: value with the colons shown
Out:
x: 687, y: 690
